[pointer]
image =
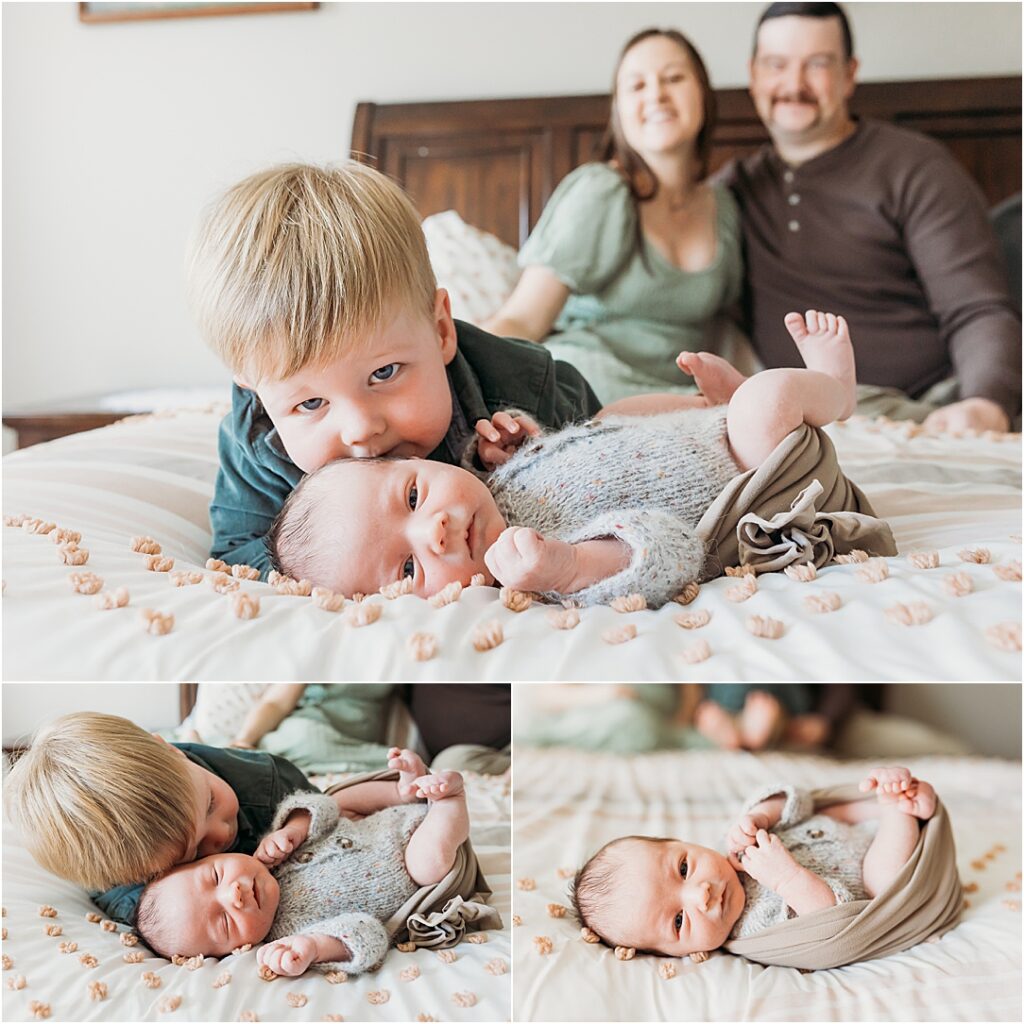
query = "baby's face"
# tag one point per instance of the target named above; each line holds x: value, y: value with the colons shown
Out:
x: 413, y: 517
x: 672, y: 897
x: 215, y: 905
x: 386, y: 395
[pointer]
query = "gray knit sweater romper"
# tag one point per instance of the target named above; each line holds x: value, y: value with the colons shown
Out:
x: 346, y: 878
x: 646, y: 480
x: 833, y: 850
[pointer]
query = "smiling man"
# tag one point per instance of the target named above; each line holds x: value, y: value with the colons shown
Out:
x: 876, y: 222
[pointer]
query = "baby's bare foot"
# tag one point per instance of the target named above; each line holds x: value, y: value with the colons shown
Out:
x: 410, y: 767
x: 824, y: 343
x: 716, y: 378
x: 439, y: 786
x: 714, y: 722
x: 760, y: 719
x: 897, y: 788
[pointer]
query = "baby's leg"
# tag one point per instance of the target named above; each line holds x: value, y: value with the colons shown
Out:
x: 432, y: 848
x: 369, y: 797
x: 761, y: 721
x: 652, y: 405
x: 771, y: 404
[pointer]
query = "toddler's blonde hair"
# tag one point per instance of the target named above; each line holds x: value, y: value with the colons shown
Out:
x: 296, y: 264
x: 101, y: 802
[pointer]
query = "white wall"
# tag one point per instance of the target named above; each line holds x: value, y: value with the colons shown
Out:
x: 114, y: 135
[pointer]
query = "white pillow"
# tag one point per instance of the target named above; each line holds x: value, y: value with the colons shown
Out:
x: 477, y: 269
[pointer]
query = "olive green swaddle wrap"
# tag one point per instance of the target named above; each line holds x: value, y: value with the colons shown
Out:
x: 924, y: 899
x: 796, y: 507
x: 439, y: 915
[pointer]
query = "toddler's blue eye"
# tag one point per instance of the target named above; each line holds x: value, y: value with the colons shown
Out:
x: 311, y: 404
x: 414, y: 498
x: 409, y: 569
x: 384, y: 372
x: 679, y: 921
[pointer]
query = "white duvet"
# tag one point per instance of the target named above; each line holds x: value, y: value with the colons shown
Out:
x: 476, y: 986
x: 568, y: 803
x: 154, y: 476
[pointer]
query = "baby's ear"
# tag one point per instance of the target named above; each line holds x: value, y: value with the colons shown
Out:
x: 699, y: 958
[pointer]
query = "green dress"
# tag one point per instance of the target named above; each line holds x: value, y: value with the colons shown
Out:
x: 631, y: 311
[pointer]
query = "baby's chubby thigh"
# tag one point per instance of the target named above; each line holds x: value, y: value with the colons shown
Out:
x: 433, y: 847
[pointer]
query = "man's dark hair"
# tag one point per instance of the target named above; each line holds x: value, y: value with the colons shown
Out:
x: 809, y: 10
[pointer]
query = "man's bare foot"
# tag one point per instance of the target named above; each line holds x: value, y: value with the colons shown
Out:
x: 824, y: 343
x: 760, y: 719
x: 410, y: 768
x: 897, y: 788
x: 440, y: 786
x: 714, y: 722
x: 805, y: 731
x: 716, y: 378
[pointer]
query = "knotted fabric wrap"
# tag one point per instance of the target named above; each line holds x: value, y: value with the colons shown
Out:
x: 924, y: 899
x: 796, y: 507
x: 437, y: 915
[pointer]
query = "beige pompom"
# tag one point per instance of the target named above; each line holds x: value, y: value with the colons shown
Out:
x: 803, y: 573
x: 406, y: 947
x: 336, y: 977
x: 222, y: 583
x: 1010, y: 571
x: 244, y: 572
x: 464, y: 999
x: 6, y: 962
x: 97, y: 991
x: 497, y: 966
x: 53, y: 930
x: 85, y: 582
x: 422, y: 646
x: 17, y: 983
x: 448, y: 594
x: 515, y: 600
x: 47, y: 911
x: 619, y: 634
x: 980, y: 556
x: 16, y: 521
x: 328, y: 600
x: 409, y: 973
x: 156, y: 623
x: 564, y: 618
x: 819, y: 604
x: 694, y: 620
x: 488, y: 635
x: 186, y: 578
x: 765, y: 627
x: 743, y: 590
x: 363, y: 614
x: 62, y: 536
x: 958, y: 584
x: 72, y: 554
x: 667, y: 969
x: 129, y: 939
x: 266, y: 974
x: 296, y: 999
x: 105, y: 600
x: 135, y: 956
x: 239, y: 950
x: 39, y: 1011
x: 688, y: 594
x: 397, y: 588
x: 38, y: 526
x: 245, y: 606
x: 88, y: 960
x: 916, y: 613
x: 378, y: 997
x: 157, y: 563
x: 924, y: 559
x: 478, y: 938
x: 699, y: 957
x: 589, y: 935
x: 447, y: 956
x: 697, y: 652
x: 874, y: 570
x: 93, y: 918
x: 151, y: 980
x: 852, y: 557
x: 248, y: 1016
x: 169, y: 1004
x: 556, y: 910
x: 222, y: 979
x: 68, y: 947
x: 624, y: 952
x: 526, y: 885
x: 145, y: 546
x: 216, y: 565
x: 293, y: 588
x: 1004, y: 635
x: 740, y: 570
x: 478, y: 579
x: 516, y: 920
x: 543, y: 944
x: 629, y: 603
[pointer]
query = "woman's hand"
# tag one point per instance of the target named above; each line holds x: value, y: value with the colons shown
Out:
x: 531, y: 310
x: 968, y: 414
x: 501, y: 435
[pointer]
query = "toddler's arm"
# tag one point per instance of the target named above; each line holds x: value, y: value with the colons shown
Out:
x: 276, y: 704
x: 770, y: 863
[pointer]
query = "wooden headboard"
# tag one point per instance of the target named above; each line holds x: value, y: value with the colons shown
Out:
x: 496, y: 162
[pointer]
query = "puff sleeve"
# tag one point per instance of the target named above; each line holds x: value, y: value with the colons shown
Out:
x: 587, y: 230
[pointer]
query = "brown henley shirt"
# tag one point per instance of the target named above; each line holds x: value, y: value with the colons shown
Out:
x: 889, y: 231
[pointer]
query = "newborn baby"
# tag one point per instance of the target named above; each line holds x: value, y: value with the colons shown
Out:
x: 333, y: 881
x: 674, y: 898
x: 591, y: 512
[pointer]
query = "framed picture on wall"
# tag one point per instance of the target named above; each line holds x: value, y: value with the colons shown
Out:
x: 98, y: 12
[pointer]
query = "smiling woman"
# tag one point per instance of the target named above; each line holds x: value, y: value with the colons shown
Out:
x: 635, y: 256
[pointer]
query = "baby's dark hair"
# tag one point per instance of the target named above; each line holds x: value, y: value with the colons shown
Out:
x: 594, y: 882
x: 148, y: 922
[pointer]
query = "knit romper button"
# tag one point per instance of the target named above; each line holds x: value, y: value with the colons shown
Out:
x: 344, y: 842
x: 815, y: 833
x: 304, y: 858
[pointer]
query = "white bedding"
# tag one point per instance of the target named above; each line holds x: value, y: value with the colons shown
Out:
x: 568, y: 803
x: 61, y: 980
x: 154, y: 476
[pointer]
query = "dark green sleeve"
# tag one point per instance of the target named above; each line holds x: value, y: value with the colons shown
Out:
x: 573, y: 399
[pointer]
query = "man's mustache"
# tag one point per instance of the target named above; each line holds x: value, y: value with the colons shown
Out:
x: 794, y: 97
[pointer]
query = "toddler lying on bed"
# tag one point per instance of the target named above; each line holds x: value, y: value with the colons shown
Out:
x: 674, y: 898
x: 590, y: 512
x: 334, y: 880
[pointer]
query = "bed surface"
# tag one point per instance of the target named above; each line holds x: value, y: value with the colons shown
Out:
x: 62, y: 981
x: 568, y: 803
x: 154, y: 476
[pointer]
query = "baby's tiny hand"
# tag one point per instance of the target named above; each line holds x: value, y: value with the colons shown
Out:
x: 289, y: 956
x: 501, y: 435
x: 744, y: 834
x: 524, y: 559
x: 768, y: 861
x: 277, y: 847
